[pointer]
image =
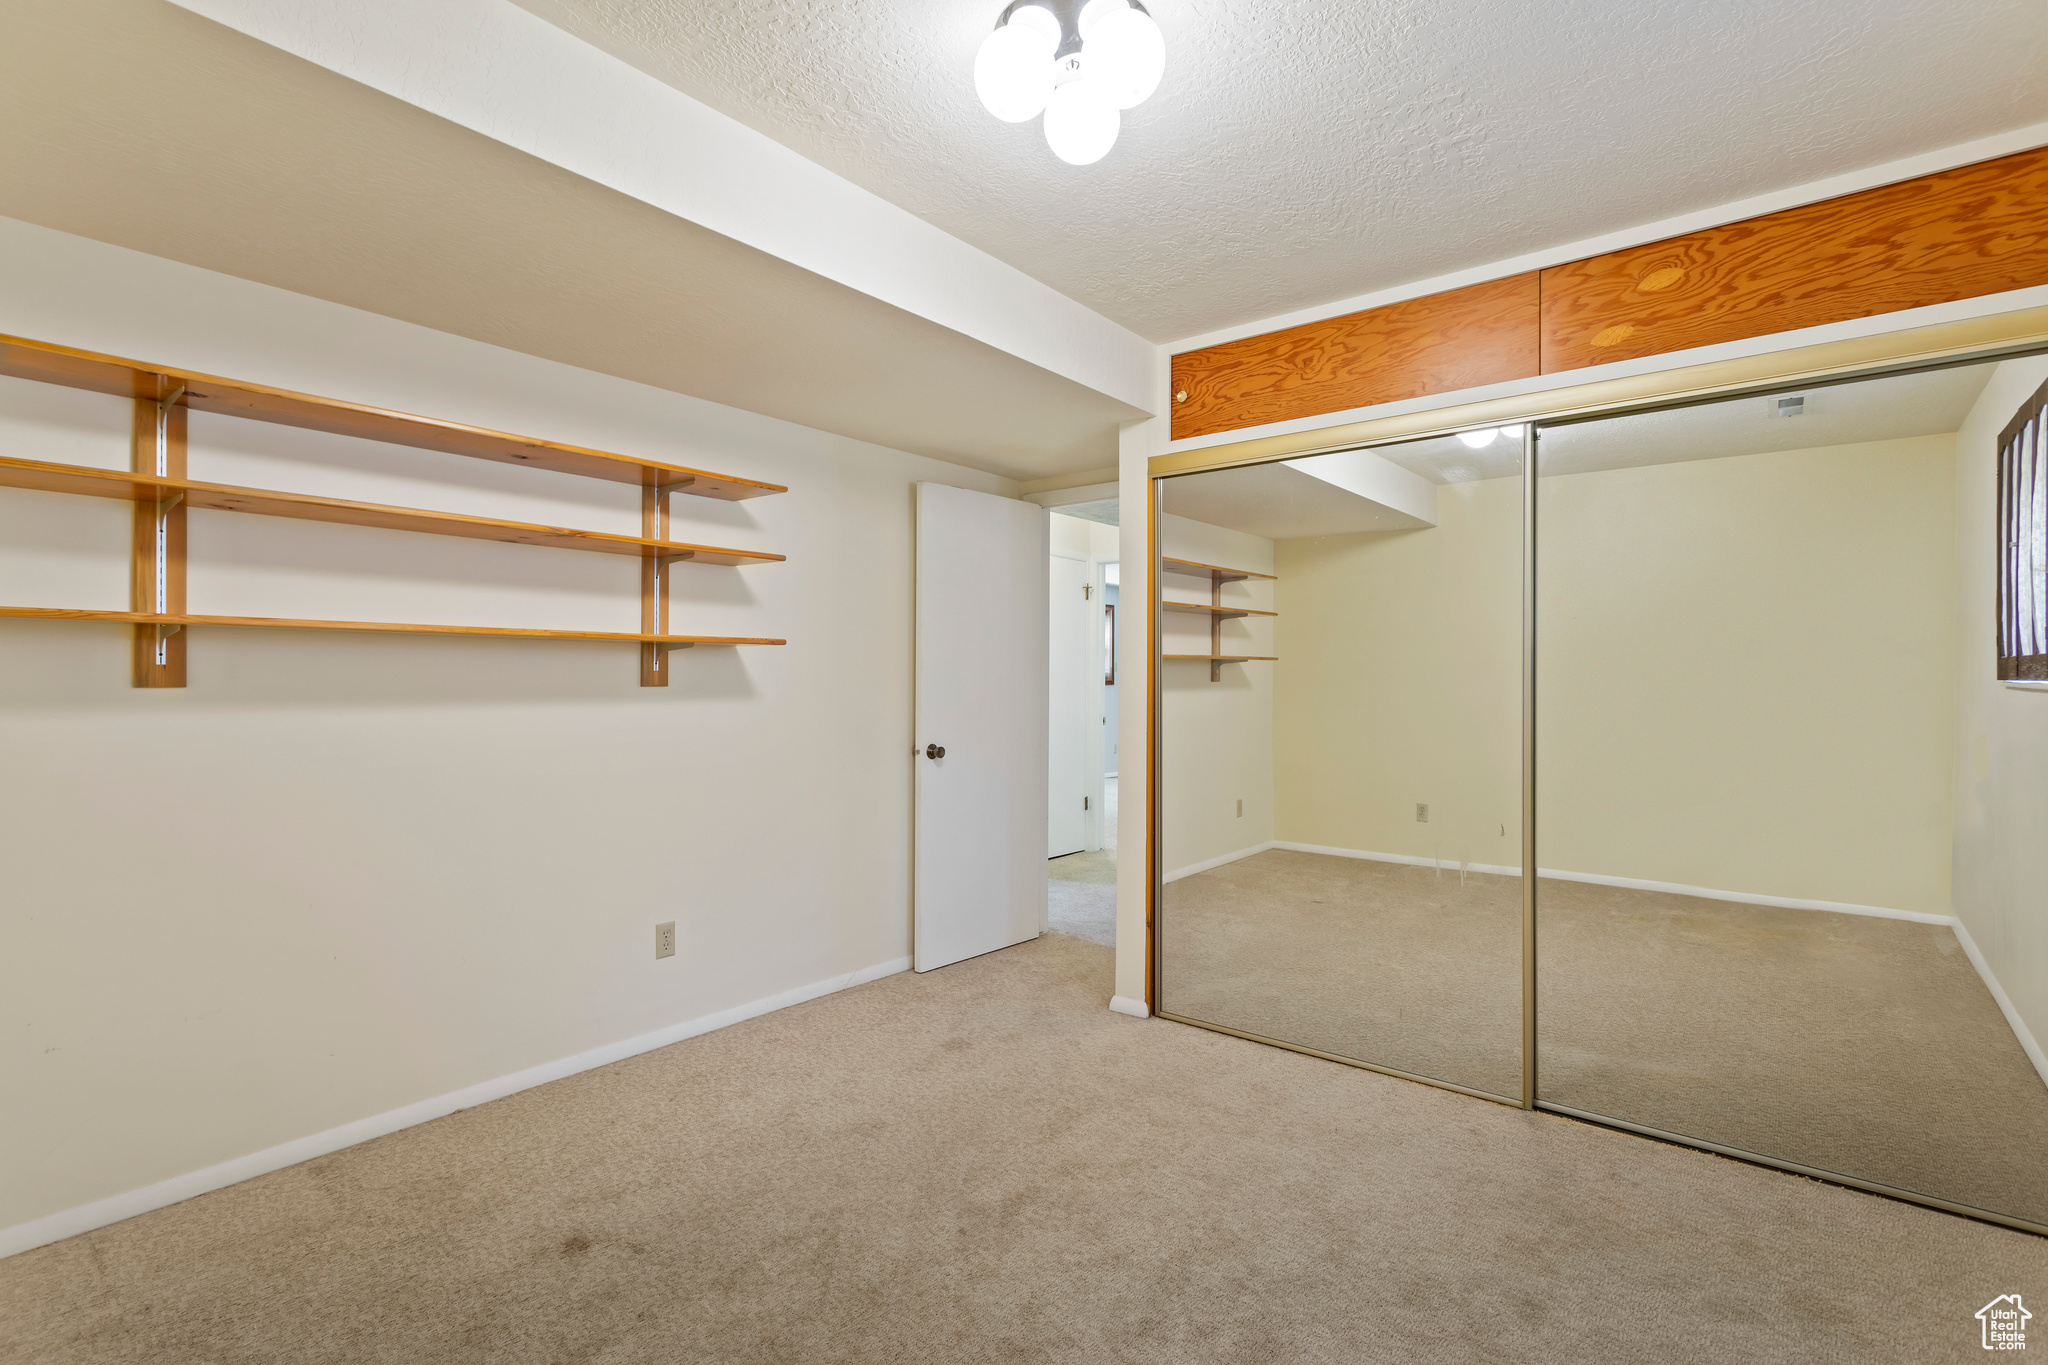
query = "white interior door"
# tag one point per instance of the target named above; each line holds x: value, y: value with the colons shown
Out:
x: 1070, y: 612
x: 979, y: 865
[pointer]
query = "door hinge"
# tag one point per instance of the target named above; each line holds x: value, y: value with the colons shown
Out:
x: 1084, y: 803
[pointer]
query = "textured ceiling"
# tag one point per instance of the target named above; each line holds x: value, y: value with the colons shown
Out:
x: 1302, y: 152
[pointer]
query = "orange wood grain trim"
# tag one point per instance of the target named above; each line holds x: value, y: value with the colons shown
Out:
x: 21, y: 358
x: 1956, y: 234
x: 1482, y: 334
x: 143, y: 618
x: 110, y: 483
x: 157, y: 451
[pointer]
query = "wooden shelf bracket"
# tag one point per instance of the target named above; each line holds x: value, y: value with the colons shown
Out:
x: 157, y: 580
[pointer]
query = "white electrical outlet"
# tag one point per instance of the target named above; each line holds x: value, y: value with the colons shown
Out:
x: 665, y: 939
x: 1421, y: 813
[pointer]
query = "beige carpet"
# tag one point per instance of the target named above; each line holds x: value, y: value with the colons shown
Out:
x: 985, y: 1165
x: 1853, y: 1044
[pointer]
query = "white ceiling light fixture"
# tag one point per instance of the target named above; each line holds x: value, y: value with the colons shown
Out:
x: 1079, y: 64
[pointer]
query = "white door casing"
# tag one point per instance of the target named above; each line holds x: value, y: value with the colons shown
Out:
x: 1070, y: 611
x: 978, y: 868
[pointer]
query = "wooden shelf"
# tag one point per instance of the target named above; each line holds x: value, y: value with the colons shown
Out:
x: 141, y: 618
x: 1225, y: 658
x: 24, y: 359
x: 1220, y: 613
x: 111, y: 483
x: 1215, y: 572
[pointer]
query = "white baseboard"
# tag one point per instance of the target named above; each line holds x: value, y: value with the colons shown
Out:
x: 1632, y: 883
x: 1192, y: 868
x: 56, y: 1227
x: 2028, y: 1042
x: 1410, y: 860
x: 1123, y: 1004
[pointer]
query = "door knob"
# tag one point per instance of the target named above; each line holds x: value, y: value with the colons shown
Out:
x: 934, y: 751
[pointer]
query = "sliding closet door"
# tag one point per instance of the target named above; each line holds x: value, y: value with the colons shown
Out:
x: 1766, y: 685
x: 1340, y: 756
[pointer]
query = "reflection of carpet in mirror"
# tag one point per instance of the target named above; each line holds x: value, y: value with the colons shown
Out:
x: 1864, y: 1046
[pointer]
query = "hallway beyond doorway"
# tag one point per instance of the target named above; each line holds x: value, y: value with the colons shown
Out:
x: 1082, y: 886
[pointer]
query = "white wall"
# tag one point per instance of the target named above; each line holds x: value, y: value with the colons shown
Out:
x: 1744, y: 682
x: 339, y: 875
x: 2001, y: 751
x: 1216, y: 738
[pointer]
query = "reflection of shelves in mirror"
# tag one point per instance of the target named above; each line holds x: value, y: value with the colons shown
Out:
x: 1215, y: 573
x: 162, y: 496
x: 1222, y: 613
x: 1216, y: 610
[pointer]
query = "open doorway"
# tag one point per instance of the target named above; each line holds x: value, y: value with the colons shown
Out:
x: 1081, y: 750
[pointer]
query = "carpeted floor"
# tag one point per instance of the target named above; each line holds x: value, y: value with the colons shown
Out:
x: 1864, y: 1046
x: 983, y: 1164
x: 1081, y: 887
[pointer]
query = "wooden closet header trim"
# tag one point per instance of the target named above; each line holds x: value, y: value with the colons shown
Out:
x: 1956, y: 234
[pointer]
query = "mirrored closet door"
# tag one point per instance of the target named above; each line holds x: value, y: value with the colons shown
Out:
x: 1794, y: 897
x: 1339, y: 756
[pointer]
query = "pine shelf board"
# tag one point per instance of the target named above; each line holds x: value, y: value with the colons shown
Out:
x: 119, y: 484
x: 1207, y: 610
x: 1214, y: 571
x: 143, y: 618
x: 24, y: 359
x: 1224, y: 658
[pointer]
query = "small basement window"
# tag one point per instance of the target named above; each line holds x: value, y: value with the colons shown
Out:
x: 2023, y: 543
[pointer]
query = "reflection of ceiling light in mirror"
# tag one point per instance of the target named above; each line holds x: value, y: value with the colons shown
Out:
x: 1480, y: 439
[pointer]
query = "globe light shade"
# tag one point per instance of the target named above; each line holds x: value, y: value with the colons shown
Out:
x: 1013, y: 71
x: 1094, y: 12
x: 1124, y: 49
x: 1081, y: 121
x: 1477, y: 439
x: 1039, y: 19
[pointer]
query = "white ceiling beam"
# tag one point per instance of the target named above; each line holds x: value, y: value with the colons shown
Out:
x: 498, y: 70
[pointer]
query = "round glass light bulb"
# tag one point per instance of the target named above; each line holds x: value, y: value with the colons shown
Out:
x: 1094, y: 12
x: 1037, y: 19
x: 1081, y: 121
x: 1013, y: 70
x: 1513, y: 433
x: 1476, y: 439
x: 1125, y: 49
